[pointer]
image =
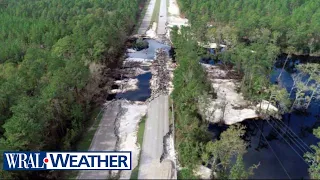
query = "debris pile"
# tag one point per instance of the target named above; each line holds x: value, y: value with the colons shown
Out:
x: 161, y: 76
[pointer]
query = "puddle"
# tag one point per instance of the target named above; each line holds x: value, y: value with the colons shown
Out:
x: 149, y: 53
x: 142, y: 93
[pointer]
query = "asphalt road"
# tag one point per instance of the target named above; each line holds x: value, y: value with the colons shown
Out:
x: 157, y: 125
x: 161, y: 30
x: 104, y: 139
x: 147, y: 18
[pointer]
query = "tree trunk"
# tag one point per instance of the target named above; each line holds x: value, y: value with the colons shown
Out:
x: 294, y: 102
x: 312, y: 96
x: 284, y: 65
x: 309, y: 79
x: 293, y: 86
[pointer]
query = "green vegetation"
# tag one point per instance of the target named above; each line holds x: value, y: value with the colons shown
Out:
x: 142, y: 124
x: 85, y: 141
x: 220, y: 154
x: 308, y: 90
x: 140, y: 44
x: 313, y: 158
x: 135, y: 171
x: 190, y: 85
x: 47, y: 89
x: 192, y: 140
x: 186, y: 174
x: 289, y: 24
x: 255, y: 33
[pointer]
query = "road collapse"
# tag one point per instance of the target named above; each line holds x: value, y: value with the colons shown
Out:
x: 161, y: 74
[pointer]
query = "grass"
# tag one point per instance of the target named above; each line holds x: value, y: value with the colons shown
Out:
x: 186, y: 174
x: 156, y: 11
x: 85, y: 141
x: 142, y: 124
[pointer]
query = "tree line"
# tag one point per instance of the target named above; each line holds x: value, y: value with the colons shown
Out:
x: 293, y: 24
x: 53, y: 55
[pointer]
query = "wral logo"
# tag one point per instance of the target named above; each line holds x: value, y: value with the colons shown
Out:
x: 67, y: 160
x: 46, y: 160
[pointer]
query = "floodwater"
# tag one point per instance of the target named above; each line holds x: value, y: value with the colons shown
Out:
x: 143, y: 92
x: 149, y: 53
x: 283, y: 158
x: 279, y: 146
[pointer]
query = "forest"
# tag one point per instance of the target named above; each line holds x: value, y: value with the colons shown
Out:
x: 193, y: 142
x: 292, y: 25
x: 255, y: 34
x: 55, y: 59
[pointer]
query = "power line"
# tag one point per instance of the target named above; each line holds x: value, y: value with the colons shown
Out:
x: 292, y: 138
x: 293, y: 133
x: 284, y: 169
x: 287, y: 142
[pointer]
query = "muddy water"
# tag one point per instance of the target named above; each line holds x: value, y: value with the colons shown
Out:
x: 279, y: 151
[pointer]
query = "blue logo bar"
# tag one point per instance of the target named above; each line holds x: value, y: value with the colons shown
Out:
x: 91, y: 160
